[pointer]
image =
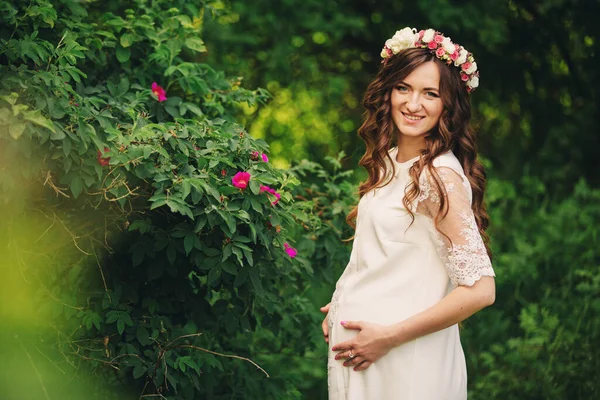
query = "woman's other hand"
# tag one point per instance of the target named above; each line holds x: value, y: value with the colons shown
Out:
x: 324, y: 325
x: 371, y: 343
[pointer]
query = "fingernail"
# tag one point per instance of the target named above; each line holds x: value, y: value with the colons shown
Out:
x: 343, y: 322
x: 334, y: 349
x: 337, y: 357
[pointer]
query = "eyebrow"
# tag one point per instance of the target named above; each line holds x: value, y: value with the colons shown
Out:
x: 427, y: 88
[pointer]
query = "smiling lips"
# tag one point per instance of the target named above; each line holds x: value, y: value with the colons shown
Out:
x: 412, y: 118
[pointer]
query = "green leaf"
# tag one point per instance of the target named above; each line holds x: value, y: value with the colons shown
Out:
x: 127, y: 39
x: 188, y: 243
x: 254, y: 186
x: 256, y: 282
x: 16, y: 130
x: 76, y: 186
x: 123, y: 54
x: 37, y: 118
x: 229, y: 267
x: 139, y: 371
x: 143, y: 336
x: 120, y: 326
x: 196, y: 44
x: 11, y: 98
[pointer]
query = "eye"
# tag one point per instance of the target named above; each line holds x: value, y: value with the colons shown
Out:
x: 401, y: 88
x: 432, y: 94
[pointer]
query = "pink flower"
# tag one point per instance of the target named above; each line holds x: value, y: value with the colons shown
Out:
x: 223, y: 172
x: 464, y: 76
x: 265, y: 188
x: 438, y: 38
x: 159, y: 92
x: 432, y: 45
x: 454, y: 55
x: 421, y: 33
x: 103, y: 161
x: 292, y: 252
x: 264, y: 157
x: 465, y: 66
x: 240, y: 180
x: 389, y: 51
x: 440, y: 52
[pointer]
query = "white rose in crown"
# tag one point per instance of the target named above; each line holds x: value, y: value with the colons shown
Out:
x: 393, y: 45
x: 448, y: 45
x: 403, y: 39
x: 462, y: 57
x: 428, y: 35
x: 472, y: 68
x: 384, y: 53
x: 473, y: 82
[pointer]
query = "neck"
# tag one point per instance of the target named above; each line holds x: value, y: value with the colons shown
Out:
x: 409, y: 147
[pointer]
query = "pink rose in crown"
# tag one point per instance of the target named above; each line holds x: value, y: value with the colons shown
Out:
x: 438, y: 38
x: 389, y: 51
x: 464, y: 76
x: 454, y: 55
x: 465, y: 66
x: 440, y: 52
x: 292, y: 252
x: 240, y: 180
x: 432, y: 45
x: 159, y: 92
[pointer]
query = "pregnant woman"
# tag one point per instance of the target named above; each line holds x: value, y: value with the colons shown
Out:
x: 420, y: 262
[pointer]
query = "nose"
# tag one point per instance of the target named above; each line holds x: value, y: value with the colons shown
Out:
x: 413, y: 104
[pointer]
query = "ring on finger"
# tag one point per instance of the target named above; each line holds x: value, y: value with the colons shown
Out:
x: 351, y: 356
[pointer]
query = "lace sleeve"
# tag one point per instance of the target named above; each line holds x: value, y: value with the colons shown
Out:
x: 464, y: 255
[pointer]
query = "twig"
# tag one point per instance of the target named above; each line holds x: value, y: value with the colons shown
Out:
x: 189, y: 346
x: 103, y: 279
x: 56, y: 189
x: 46, y: 231
x: 34, y: 368
x: 182, y: 337
x: 48, y: 358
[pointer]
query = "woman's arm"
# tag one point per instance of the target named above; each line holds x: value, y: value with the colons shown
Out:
x: 458, y: 305
x: 373, y: 340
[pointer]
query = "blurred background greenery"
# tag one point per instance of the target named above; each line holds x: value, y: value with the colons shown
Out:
x: 537, y: 114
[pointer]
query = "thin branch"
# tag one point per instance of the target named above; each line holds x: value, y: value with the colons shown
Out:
x: 168, y: 345
x: 189, y: 346
x: 56, y: 189
x: 34, y: 368
x: 103, y: 279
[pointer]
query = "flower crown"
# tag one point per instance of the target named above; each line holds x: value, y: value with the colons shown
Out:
x: 438, y: 44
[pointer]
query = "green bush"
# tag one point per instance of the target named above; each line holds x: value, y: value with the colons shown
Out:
x: 156, y: 273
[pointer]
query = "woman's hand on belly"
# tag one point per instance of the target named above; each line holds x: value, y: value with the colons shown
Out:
x: 372, y: 342
x: 324, y: 324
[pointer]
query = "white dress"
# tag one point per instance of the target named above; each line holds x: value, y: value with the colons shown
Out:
x: 396, y: 271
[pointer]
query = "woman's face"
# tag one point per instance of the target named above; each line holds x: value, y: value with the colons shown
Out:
x: 416, y: 102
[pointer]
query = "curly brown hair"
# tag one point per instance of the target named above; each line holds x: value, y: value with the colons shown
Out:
x: 451, y: 133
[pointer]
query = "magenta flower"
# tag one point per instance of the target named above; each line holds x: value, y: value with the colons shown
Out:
x: 159, y: 92
x: 292, y: 252
x: 240, y: 180
x: 255, y: 155
x: 265, y: 188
